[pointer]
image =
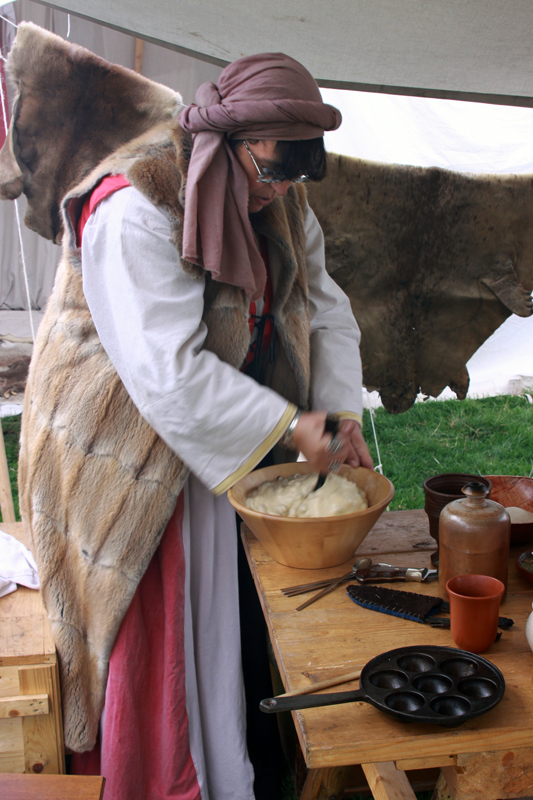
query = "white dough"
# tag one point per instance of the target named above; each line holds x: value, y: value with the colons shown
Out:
x: 294, y: 497
x: 519, y: 514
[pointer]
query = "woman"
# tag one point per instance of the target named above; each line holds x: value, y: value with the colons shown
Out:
x: 174, y: 299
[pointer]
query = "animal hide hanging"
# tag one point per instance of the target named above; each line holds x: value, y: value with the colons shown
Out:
x: 433, y: 262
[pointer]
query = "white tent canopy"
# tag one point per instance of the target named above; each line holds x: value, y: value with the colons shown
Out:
x: 462, y: 49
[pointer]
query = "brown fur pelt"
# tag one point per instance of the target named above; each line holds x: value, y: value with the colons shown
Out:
x: 72, y: 109
x: 433, y: 262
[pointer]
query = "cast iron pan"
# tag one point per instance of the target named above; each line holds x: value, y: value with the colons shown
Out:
x: 439, y: 685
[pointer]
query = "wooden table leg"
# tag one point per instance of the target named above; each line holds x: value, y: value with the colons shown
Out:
x: 491, y: 775
x: 388, y: 783
x: 325, y: 784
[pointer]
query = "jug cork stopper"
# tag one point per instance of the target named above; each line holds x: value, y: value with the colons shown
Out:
x: 475, y: 489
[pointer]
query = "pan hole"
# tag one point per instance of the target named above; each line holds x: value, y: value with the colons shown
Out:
x: 477, y: 688
x: 432, y: 684
x: 388, y: 679
x: 416, y: 662
x: 459, y: 667
x: 450, y: 706
x: 404, y: 701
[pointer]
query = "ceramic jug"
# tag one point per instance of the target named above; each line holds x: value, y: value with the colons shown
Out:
x: 529, y: 630
x: 474, y: 537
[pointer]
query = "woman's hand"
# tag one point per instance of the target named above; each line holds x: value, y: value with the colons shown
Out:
x: 311, y: 439
x: 359, y: 452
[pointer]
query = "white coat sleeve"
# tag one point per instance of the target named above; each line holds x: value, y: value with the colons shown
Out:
x: 148, y: 315
x: 336, y: 375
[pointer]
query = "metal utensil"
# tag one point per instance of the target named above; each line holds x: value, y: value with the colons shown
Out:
x: 331, y: 426
x: 303, y: 588
x: 377, y: 573
x: 384, y: 573
x: 363, y: 563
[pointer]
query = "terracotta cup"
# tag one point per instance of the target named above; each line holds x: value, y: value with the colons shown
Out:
x: 474, y: 609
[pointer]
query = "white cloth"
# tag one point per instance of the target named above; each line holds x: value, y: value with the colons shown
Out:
x: 216, y: 706
x: 148, y: 311
x: 17, y: 565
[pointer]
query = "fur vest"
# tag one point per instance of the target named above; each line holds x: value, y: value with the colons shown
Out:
x: 97, y: 484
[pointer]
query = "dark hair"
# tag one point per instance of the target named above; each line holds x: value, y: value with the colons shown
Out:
x: 303, y: 157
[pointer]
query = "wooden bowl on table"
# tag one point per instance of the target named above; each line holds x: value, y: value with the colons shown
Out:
x: 312, y: 542
x: 513, y: 490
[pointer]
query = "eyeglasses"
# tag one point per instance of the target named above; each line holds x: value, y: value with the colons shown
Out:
x: 266, y: 175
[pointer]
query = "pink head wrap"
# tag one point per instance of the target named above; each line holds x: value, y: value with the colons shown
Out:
x: 267, y: 96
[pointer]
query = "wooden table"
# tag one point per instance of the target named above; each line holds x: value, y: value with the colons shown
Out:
x: 490, y: 756
x: 31, y: 724
x: 51, y: 787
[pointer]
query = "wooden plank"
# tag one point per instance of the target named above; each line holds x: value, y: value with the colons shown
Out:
x: 426, y: 763
x: 399, y: 531
x: 25, y: 634
x: 492, y: 775
x: 24, y: 706
x: 335, y: 636
x: 388, y: 783
x: 43, y: 736
x: 51, y: 787
x: 11, y: 738
x: 11, y: 747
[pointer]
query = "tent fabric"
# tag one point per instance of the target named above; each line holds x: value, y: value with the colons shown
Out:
x: 468, y: 137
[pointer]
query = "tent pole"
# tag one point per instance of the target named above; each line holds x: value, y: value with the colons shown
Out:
x: 139, y: 47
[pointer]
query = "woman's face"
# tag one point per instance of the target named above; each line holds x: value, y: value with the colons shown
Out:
x: 264, y: 152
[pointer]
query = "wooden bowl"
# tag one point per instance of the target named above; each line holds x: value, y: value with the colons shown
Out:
x: 317, y: 542
x: 512, y: 490
x: 524, y: 566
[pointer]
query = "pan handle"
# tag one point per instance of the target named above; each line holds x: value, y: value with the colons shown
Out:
x: 273, y: 705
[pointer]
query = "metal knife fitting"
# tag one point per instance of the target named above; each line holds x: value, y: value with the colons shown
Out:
x: 384, y: 573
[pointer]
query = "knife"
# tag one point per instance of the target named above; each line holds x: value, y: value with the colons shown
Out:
x: 384, y: 573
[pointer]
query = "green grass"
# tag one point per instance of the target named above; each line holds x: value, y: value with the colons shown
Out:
x: 11, y: 431
x: 490, y: 436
